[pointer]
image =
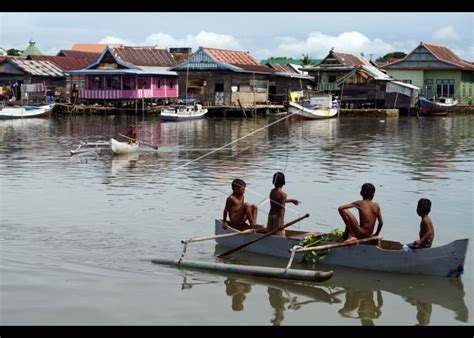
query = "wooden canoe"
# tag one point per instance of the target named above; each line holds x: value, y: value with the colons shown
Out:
x: 445, y: 260
x: 122, y: 147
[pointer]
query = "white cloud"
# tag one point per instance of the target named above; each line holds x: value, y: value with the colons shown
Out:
x: 113, y: 40
x: 446, y: 33
x: 318, y: 44
x: 203, y: 38
x: 466, y: 54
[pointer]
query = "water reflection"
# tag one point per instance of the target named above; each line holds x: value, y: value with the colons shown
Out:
x: 360, y: 304
x: 237, y: 291
x: 360, y: 292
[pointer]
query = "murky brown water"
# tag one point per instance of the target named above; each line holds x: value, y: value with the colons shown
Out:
x: 77, y: 232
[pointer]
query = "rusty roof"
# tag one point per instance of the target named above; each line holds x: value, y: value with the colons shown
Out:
x: 38, y: 68
x: 442, y: 53
x: 349, y: 59
x: 89, y: 47
x: 90, y: 56
x: 63, y: 62
x: 240, y: 59
x: 143, y: 56
x: 445, y: 54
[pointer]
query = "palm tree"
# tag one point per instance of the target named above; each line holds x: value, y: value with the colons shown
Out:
x: 306, y: 60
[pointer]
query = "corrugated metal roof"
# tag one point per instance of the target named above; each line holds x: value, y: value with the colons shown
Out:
x: 144, y: 56
x: 38, y: 68
x: 89, y: 47
x: 350, y: 60
x: 91, y: 57
x: 240, y: 59
x: 404, y: 84
x: 63, y: 62
x: 376, y: 73
x: 445, y: 54
x: 441, y: 53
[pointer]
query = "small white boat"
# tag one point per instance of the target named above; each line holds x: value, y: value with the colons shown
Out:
x: 445, y: 260
x: 123, y: 147
x: 316, y: 108
x: 183, y: 113
x: 25, y: 111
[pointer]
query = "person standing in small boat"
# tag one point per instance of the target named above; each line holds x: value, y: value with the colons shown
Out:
x: 239, y: 212
x: 131, y: 134
x: 426, y: 226
x: 369, y: 213
x: 278, y: 199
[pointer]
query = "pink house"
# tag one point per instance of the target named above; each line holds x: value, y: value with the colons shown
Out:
x: 128, y: 73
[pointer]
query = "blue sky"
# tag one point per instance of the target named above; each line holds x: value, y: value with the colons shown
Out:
x: 262, y: 34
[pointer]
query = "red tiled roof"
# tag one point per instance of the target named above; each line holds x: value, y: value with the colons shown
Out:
x: 445, y: 54
x: 89, y: 47
x: 350, y: 60
x: 237, y: 58
x: 144, y: 56
x: 63, y: 62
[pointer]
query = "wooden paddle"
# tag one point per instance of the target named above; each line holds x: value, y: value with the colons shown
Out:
x: 338, y: 245
x: 140, y: 142
x: 264, y: 236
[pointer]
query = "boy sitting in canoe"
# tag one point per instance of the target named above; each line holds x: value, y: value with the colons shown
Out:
x: 239, y: 211
x: 278, y: 199
x: 131, y: 134
x: 369, y: 212
x: 426, y: 226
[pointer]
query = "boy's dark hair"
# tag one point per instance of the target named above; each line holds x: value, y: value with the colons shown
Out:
x: 424, y: 206
x: 278, y: 179
x: 237, y: 183
x: 367, y: 190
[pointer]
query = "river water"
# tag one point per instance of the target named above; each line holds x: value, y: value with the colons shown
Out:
x: 77, y: 232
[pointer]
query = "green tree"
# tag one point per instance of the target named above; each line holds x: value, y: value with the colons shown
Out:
x: 393, y: 55
x: 14, y: 52
x: 306, y: 60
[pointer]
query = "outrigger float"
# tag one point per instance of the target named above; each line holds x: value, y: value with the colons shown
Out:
x: 257, y: 271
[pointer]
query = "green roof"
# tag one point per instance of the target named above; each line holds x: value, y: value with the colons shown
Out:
x: 31, y: 50
x: 314, y: 62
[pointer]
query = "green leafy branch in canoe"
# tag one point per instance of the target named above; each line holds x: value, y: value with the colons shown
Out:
x: 334, y: 236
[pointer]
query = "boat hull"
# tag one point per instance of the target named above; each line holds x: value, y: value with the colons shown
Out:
x: 446, y: 260
x: 25, y: 112
x: 182, y: 115
x: 119, y: 148
x: 311, y: 114
x: 428, y: 107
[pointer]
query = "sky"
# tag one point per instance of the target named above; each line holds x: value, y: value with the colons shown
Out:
x: 262, y: 34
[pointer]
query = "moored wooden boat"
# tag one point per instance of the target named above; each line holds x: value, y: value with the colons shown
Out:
x: 440, y: 106
x: 446, y: 260
x: 25, y: 111
x: 122, y: 147
x: 183, y: 113
x: 316, y: 108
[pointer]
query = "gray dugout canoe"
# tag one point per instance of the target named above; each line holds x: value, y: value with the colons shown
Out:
x: 257, y: 271
x: 445, y: 260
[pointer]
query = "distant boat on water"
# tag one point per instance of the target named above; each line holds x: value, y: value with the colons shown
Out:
x: 186, y: 110
x: 440, y: 106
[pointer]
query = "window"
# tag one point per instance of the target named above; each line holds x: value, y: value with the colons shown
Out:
x: 158, y: 83
x: 464, y: 89
x: 171, y: 83
x: 470, y: 89
x: 112, y: 82
x: 128, y: 83
x: 97, y: 82
x: 445, y: 88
